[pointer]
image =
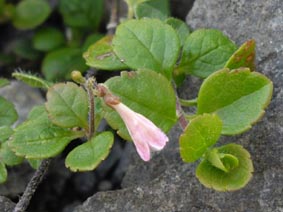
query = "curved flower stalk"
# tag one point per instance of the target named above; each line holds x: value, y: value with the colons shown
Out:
x: 145, y: 134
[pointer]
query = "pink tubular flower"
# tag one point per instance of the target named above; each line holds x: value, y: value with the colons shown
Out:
x: 146, y: 135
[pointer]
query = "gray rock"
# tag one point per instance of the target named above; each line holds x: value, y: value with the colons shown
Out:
x: 23, y: 97
x: 6, y: 205
x: 168, y: 184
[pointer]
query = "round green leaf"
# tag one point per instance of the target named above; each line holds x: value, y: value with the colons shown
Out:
x: 82, y: 15
x: 67, y: 105
x: 100, y: 55
x: 243, y: 57
x: 235, y: 178
x: 89, y: 155
x: 8, y: 114
x: 205, y: 51
x: 48, y: 39
x: 146, y: 92
x: 59, y: 64
x: 38, y: 138
x: 238, y: 97
x: 3, y: 173
x: 153, y: 9
x: 201, y: 133
x: 180, y: 27
x: 7, y: 156
x: 32, y: 80
x: 147, y: 43
x: 31, y: 13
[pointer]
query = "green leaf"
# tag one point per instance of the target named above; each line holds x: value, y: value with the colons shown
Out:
x: 8, y: 114
x: 101, y: 56
x: 67, y: 105
x: 153, y: 9
x: 32, y: 80
x: 224, y: 162
x: 238, y: 97
x: 89, y: 155
x: 146, y: 92
x: 181, y: 28
x: 48, y: 39
x: 5, y: 133
x: 22, y: 47
x: 3, y: 173
x: 38, y: 138
x: 30, y: 13
x: 147, y: 43
x: 4, y: 82
x: 236, y: 178
x: 59, y: 64
x: 243, y: 57
x: 91, y: 39
x: 82, y: 15
x: 201, y: 133
x: 205, y: 51
x: 7, y: 156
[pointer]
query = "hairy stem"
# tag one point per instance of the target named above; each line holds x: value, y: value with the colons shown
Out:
x: 91, y: 112
x: 182, y: 118
x: 36, y: 179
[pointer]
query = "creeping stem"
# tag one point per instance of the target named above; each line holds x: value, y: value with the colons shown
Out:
x: 36, y: 179
x: 91, y: 112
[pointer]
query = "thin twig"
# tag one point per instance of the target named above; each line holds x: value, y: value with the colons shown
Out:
x: 114, y: 17
x: 91, y: 112
x: 36, y: 179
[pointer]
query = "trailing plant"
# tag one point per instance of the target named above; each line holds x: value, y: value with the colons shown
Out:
x: 154, y: 53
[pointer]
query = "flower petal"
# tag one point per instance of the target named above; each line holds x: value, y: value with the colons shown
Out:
x: 144, y: 133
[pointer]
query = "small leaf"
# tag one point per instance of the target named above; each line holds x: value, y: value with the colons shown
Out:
x: 89, y: 155
x: 31, y: 13
x: 4, y: 82
x: 181, y: 28
x: 5, y: 133
x: 7, y: 156
x: 101, y: 56
x: 205, y: 51
x: 32, y: 80
x: 8, y: 114
x: 3, y: 173
x: 38, y: 138
x: 91, y: 39
x: 235, y: 178
x: 78, y: 15
x: 146, y: 92
x: 48, y: 39
x: 201, y: 133
x: 150, y: 44
x: 22, y: 47
x: 158, y: 9
x: 238, y: 97
x: 243, y: 57
x: 67, y: 105
x: 224, y: 162
x: 59, y: 64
